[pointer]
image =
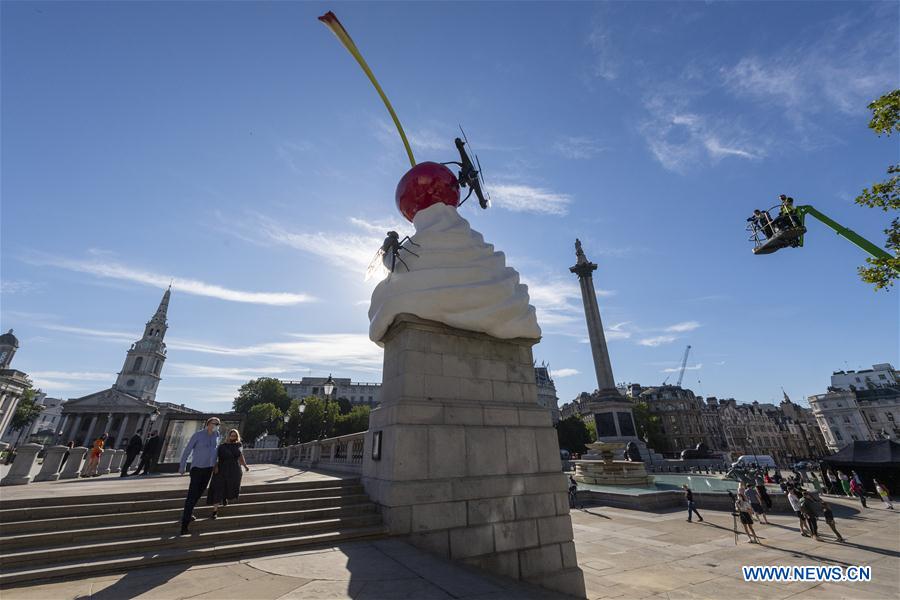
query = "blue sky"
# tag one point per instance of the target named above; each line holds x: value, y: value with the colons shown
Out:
x: 237, y: 148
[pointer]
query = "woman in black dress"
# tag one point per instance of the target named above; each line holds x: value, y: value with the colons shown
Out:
x: 226, y: 479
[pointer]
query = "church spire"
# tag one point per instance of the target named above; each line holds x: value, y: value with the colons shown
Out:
x: 140, y: 375
x: 160, y: 316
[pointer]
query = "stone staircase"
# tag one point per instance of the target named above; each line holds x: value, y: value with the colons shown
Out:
x: 67, y: 537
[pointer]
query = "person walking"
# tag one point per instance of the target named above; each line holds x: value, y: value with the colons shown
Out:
x: 829, y: 519
x: 810, y: 509
x: 201, y: 449
x: 93, y: 461
x: 756, y: 504
x: 884, y: 493
x: 845, y: 483
x: 150, y: 454
x: 573, y: 491
x: 793, y: 497
x: 742, y: 506
x: 857, y: 490
x: 226, y: 480
x: 689, y: 498
x: 134, y: 447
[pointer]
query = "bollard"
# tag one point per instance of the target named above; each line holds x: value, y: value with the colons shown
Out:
x: 105, y: 460
x: 72, y: 468
x: 20, y: 471
x: 116, y: 465
x: 50, y: 469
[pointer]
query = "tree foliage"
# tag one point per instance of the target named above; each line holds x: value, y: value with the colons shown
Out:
x: 882, y: 272
x: 27, y: 410
x: 573, y: 434
x: 262, y: 417
x: 353, y: 422
x: 265, y: 390
x: 648, y: 425
x: 592, y: 430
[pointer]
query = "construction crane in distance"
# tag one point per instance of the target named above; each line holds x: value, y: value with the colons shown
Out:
x: 683, y: 364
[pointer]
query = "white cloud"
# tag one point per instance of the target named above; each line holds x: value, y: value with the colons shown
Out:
x: 576, y: 147
x: 187, y: 370
x: 560, y: 373
x: 19, y: 287
x: 657, y: 341
x: 681, y: 140
x: 114, y: 270
x: 683, y: 327
x: 353, y: 249
x: 696, y: 367
x: 341, y: 350
x: 526, y: 198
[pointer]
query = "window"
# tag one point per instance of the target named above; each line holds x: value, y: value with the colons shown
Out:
x: 846, y: 419
x: 857, y: 380
x: 370, y: 399
x: 853, y: 437
x: 872, y: 417
x: 138, y: 362
x: 837, y: 434
x: 881, y: 376
x: 890, y: 416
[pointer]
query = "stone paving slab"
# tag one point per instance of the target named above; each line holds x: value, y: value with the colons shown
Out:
x: 623, y: 553
x: 114, y: 483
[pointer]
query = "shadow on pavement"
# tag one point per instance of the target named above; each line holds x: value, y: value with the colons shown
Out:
x: 136, y: 583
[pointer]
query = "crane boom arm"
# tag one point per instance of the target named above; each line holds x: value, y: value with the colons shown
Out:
x: 683, y: 365
x: 844, y: 232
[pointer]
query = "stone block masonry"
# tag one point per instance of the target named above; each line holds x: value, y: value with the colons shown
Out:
x: 469, y: 464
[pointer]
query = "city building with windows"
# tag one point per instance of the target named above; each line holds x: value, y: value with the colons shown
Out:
x: 546, y: 391
x: 847, y: 416
x: 356, y: 392
x: 880, y: 375
x: 44, y: 428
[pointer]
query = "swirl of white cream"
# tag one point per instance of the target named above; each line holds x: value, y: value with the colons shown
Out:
x: 456, y: 279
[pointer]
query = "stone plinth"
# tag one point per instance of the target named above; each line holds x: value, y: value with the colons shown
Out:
x: 72, y: 467
x: 50, y: 469
x: 20, y: 471
x: 469, y: 463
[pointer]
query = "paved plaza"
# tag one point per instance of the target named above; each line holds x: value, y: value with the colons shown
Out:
x: 624, y: 554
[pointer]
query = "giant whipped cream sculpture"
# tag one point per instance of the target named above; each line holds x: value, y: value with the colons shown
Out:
x: 457, y: 279
x: 449, y: 274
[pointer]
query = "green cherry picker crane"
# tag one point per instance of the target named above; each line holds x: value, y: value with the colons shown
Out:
x: 787, y: 229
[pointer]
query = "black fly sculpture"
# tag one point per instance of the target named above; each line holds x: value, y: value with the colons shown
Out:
x: 469, y: 176
x: 391, y: 247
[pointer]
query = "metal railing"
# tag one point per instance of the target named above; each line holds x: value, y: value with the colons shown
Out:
x: 343, y: 453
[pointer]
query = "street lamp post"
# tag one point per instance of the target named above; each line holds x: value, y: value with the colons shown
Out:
x: 284, y: 430
x: 328, y: 387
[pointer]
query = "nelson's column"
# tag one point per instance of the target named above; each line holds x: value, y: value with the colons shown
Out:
x: 611, y: 411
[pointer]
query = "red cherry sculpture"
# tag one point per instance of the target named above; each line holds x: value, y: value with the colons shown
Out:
x: 425, y: 184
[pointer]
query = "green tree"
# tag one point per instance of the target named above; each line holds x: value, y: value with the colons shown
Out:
x: 882, y: 272
x: 262, y: 417
x: 311, y: 422
x: 573, y: 434
x: 592, y: 430
x: 344, y: 406
x: 27, y: 410
x: 353, y: 422
x: 265, y: 390
x: 648, y: 425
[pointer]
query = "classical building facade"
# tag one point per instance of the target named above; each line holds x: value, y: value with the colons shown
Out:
x: 13, y: 383
x: 546, y: 391
x: 44, y: 428
x: 680, y: 416
x: 355, y: 392
x: 130, y: 404
x: 880, y: 375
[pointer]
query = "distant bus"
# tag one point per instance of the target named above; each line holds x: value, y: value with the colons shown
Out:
x: 763, y: 460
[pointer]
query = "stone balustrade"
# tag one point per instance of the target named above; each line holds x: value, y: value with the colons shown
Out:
x: 72, y: 467
x: 343, y: 453
x: 20, y: 471
x: 50, y: 469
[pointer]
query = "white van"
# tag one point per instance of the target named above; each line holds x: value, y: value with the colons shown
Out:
x: 763, y: 460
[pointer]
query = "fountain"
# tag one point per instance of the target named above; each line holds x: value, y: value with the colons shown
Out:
x: 598, y: 467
